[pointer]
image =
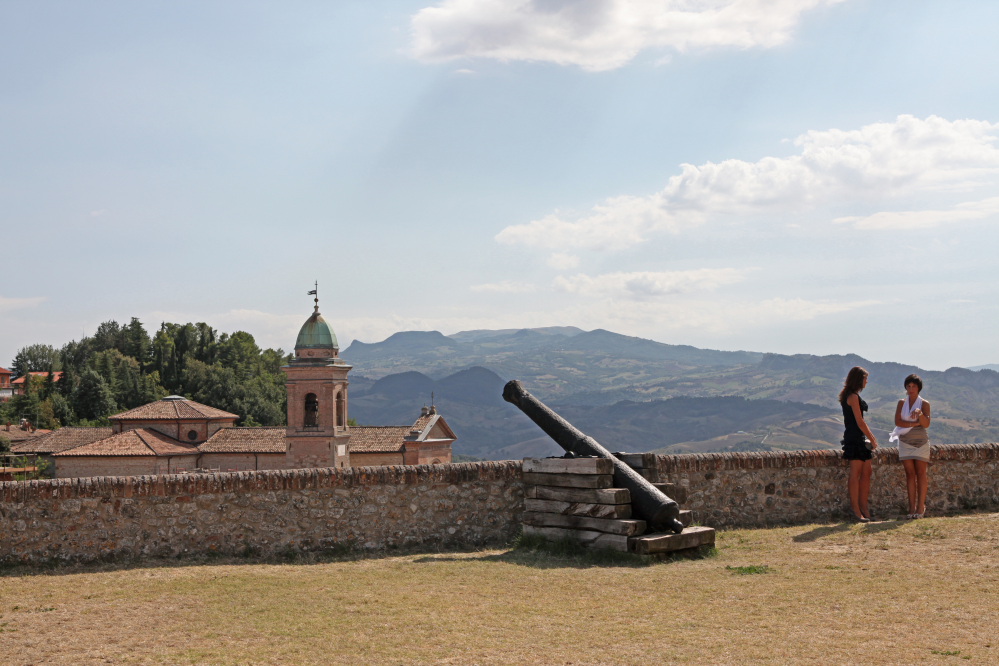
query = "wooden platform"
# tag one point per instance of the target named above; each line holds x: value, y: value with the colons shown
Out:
x: 572, y: 498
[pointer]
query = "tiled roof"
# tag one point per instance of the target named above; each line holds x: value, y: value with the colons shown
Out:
x: 246, y: 440
x: 422, y: 422
x: 55, y: 377
x: 16, y: 435
x: 141, y: 442
x: 4, y: 371
x: 62, y: 439
x: 365, y: 439
x: 172, y: 409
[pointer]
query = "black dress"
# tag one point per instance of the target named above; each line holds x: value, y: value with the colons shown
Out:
x: 854, y: 443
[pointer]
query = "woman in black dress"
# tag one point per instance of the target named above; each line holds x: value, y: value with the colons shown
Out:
x: 855, y: 442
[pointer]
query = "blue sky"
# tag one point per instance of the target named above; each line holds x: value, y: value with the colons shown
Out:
x: 796, y: 176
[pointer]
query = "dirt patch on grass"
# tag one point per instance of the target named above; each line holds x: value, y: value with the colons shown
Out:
x: 887, y: 593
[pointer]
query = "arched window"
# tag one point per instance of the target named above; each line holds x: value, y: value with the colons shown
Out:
x: 311, y: 410
x: 340, y: 415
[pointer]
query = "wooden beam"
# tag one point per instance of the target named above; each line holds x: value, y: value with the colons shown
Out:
x: 569, y: 480
x: 569, y: 465
x: 637, y: 460
x: 625, y: 527
x: 579, y: 508
x: 589, y: 539
x: 590, y: 496
x: 691, y: 537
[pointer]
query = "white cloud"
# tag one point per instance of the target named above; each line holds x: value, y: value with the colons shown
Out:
x: 563, y: 261
x: 924, y: 219
x: 598, y: 35
x: 878, y: 162
x: 18, y: 303
x: 504, y: 287
x: 647, y: 284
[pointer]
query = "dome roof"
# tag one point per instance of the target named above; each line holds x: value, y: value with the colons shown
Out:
x: 316, y: 333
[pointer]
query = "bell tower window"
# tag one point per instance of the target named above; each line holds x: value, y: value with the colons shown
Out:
x: 311, y: 410
x: 340, y: 410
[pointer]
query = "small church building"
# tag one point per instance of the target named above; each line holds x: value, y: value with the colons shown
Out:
x: 176, y: 435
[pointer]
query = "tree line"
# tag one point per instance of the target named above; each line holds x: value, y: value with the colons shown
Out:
x: 121, y: 367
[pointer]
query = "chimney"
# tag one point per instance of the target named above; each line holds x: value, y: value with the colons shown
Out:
x: 424, y: 411
x: 8, y: 426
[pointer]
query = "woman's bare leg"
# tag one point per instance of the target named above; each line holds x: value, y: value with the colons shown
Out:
x: 864, y: 488
x: 910, y: 483
x: 856, y: 467
x: 920, y: 466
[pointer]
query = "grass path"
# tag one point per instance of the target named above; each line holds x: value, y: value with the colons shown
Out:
x: 886, y: 593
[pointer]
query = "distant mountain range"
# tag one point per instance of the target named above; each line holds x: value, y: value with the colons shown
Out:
x: 620, y: 389
x: 988, y: 366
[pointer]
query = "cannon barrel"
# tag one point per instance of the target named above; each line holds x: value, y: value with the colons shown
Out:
x: 648, y: 502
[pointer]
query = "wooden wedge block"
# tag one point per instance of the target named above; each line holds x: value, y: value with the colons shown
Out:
x: 638, y: 460
x: 569, y: 465
x: 691, y: 537
x: 673, y: 491
x: 625, y: 527
x: 585, y: 495
x: 569, y: 480
x: 686, y: 517
x: 579, y: 508
x: 589, y: 539
x: 650, y: 475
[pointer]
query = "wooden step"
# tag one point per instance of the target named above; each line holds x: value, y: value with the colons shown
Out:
x: 569, y: 480
x: 569, y: 465
x: 691, y: 537
x: 580, y: 509
x: 637, y: 460
x: 584, y: 495
x: 587, y: 538
x: 673, y: 491
x: 625, y: 527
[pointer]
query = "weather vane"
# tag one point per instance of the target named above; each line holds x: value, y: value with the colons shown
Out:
x: 315, y: 292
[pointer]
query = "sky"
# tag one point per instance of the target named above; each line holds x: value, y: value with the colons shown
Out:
x: 790, y: 176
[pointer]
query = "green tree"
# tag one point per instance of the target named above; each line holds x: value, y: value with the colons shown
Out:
x: 49, y: 387
x: 109, y: 335
x: 35, y: 358
x: 137, y: 343
x: 93, y: 398
x: 27, y: 405
x: 62, y: 410
x: 4, y: 444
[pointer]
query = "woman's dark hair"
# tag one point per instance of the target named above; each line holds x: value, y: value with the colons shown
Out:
x: 913, y: 379
x: 854, y: 380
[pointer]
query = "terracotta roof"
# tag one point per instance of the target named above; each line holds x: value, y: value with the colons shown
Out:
x: 62, y: 439
x: 4, y: 371
x: 246, y: 440
x: 55, y: 376
x: 422, y: 422
x: 141, y: 442
x: 365, y: 439
x: 17, y: 435
x: 173, y: 408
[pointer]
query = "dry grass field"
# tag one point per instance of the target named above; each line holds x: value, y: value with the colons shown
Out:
x: 885, y: 593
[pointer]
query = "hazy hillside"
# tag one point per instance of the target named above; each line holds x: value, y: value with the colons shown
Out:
x: 618, y: 385
x: 552, y: 362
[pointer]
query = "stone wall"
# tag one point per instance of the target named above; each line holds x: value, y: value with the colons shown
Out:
x: 266, y: 513
x: 778, y: 488
x: 463, y: 505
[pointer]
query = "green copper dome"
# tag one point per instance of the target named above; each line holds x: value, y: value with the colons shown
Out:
x: 316, y: 334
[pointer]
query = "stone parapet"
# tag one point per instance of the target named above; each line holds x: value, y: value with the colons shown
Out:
x: 262, y: 512
x: 794, y: 487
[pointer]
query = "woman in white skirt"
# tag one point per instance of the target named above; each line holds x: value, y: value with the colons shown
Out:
x: 912, y: 417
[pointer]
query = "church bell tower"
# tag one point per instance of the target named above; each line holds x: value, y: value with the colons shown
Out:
x: 316, y: 381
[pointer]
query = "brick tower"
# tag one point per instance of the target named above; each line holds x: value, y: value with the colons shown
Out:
x: 316, y: 379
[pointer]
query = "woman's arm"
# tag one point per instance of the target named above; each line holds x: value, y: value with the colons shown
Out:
x: 854, y: 402
x: 899, y: 421
x: 923, y: 415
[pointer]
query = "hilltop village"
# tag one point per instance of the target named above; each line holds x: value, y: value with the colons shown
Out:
x: 176, y: 435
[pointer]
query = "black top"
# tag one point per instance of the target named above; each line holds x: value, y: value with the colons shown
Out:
x: 852, y: 431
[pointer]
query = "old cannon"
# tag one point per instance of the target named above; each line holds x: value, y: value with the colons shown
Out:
x: 648, y: 502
